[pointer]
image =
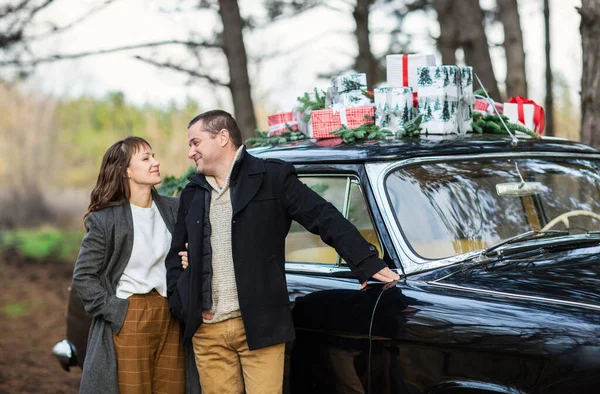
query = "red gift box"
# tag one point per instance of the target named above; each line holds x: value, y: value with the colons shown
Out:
x: 324, y: 121
x: 483, y: 106
x: 281, y: 122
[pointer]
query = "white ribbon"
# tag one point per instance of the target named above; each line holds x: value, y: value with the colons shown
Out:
x: 279, y: 126
x: 341, y: 109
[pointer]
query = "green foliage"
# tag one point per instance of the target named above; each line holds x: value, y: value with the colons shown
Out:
x: 411, y: 128
x: 493, y: 125
x: 172, y: 186
x: 88, y: 126
x: 480, y: 92
x: 366, y: 131
x: 15, y: 309
x: 43, y: 244
x: 262, y: 138
x: 368, y: 95
x: 311, y: 104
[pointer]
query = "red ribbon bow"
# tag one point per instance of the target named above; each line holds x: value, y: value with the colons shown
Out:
x: 539, y: 119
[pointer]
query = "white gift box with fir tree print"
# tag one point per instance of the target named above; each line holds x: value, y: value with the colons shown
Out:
x: 348, y: 83
x: 393, y: 107
x: 354, y: 98
x: 401, y: 69
x: 445, y: 99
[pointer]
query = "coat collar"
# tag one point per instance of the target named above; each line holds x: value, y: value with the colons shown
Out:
x: 246, y: 179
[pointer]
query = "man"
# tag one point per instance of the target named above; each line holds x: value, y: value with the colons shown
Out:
x: 235, y: 214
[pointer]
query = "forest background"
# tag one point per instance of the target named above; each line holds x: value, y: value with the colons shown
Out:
x: 78, y: 75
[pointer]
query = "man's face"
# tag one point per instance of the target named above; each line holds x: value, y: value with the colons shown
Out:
x: 205, y: 148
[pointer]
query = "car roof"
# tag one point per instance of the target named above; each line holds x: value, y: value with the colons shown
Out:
x: 335, y: 151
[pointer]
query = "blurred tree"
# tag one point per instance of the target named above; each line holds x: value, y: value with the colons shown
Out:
x: 21, y: 26
x: 366, y: 60
x: 516, y: 80
x: 590, y: 81
x: 227, y: 41
x: 462, y: 26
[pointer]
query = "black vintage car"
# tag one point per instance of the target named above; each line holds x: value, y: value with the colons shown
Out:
x: 499, y: 247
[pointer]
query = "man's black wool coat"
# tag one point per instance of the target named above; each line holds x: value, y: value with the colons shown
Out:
x: 266, y: 195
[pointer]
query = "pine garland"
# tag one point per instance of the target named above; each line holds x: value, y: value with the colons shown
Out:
x: 262, y: 138
x: 491, y: 124
x: 411, y: 128
x: 366, y: 131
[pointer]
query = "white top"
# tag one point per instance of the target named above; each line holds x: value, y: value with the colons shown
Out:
x: 146, y: 267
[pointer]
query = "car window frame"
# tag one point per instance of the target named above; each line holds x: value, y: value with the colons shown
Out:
x: 350, y: 172
x: 378, y: 172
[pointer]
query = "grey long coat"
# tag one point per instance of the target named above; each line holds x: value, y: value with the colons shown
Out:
x: 104, y: 254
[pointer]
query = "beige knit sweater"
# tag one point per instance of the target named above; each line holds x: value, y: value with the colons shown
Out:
x: 224, y: 288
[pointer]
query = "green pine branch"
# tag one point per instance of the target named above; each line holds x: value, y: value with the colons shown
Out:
x: 263, y: 139
x: 366, y: 131
x: 308, y: 103
x: 491, y: 124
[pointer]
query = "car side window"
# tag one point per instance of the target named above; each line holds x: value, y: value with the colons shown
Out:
x: 345, y: 193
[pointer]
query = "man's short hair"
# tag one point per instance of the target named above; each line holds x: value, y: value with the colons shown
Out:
x: 217, y: 120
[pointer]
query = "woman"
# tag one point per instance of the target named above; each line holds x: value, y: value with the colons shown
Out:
x: 134, y: 343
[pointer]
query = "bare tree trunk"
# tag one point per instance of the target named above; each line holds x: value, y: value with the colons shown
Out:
x: 461, y: 25
x: 235, y: 51
x: 365, y: 62
x: 471, y: 37
x: 590, y: 81
x: 516, y: 80
x: 446, y: 42
x: 549, y: 102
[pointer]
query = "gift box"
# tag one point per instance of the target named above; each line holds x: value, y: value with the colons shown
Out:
x: 393, y: 107
x: 347, y: 83
x: 323, y: 122
x: 281, y: 122
x: 402, y: 69
x: 445, y: 99
x: 525, y: 112
x: 487, y: 106
x: 354, y: 98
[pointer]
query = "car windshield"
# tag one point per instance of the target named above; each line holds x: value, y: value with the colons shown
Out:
x: 449, y: 208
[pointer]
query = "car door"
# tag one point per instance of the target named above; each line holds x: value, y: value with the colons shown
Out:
x: 331, y: 315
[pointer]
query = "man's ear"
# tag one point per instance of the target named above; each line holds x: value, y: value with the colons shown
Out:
x: 224, y: 137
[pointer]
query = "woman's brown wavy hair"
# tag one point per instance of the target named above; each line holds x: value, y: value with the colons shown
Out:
x: 112, y: 186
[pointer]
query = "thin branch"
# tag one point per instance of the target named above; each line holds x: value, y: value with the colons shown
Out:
x: 176, y: 67
x: 57, y: 29
x: 273, y: 55
x: 71, y: 56
x: 35, y: 10
x: 10, y: 9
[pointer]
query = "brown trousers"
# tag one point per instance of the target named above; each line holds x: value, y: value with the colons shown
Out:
x: 149, y: 349
x: 227, y: 366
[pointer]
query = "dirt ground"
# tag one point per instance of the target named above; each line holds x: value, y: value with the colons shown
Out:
x: 32, y: 309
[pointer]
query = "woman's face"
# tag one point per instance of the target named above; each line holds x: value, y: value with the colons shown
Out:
x: 143, y: 168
